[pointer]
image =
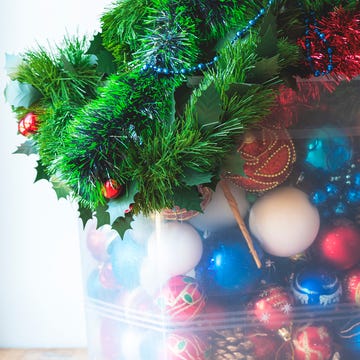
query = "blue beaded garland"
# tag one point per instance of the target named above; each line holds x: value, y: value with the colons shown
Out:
x: 319, y: 197
x: 203, y: 66
x: 332, y: 190
x: 353, y: 196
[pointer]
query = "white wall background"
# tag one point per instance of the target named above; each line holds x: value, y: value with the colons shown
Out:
x: 40, y: 279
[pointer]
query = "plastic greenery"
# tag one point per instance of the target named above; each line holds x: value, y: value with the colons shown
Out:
x: 102, y: 116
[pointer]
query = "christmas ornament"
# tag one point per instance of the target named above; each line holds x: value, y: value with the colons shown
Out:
x: 126, y: 257
x: 186, y: 346
x: 28, y: 124
x: 227, y: 266
x: 181, y: 299
x: 141, y: 228
x: 284, y: 221
x: 175, y: 247
x: 264, y: 344
x: 269, y: 154
x: 112, y: 189
x: 110, y: 335
x: 351, y: 285
x: 316, y: 286
x: 106, y: 276
x: 312, y: 343
x: 99, y: 239
x: 273, y: 307
x: 339, y: 246
x: 328, y: 150
x: 349, y: 335
x: 217, y: 213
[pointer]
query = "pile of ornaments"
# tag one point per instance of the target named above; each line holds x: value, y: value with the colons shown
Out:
x: 184, y: 284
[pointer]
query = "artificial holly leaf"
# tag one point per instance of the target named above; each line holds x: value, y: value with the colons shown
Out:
x: 85, y: 214
x: 119, y: 206
x: 188, y: 198
x: 28, y: 147
x: 233, y: 164
x: 121, y: 224
x: 265, y: 69
x: 12, y: 63
x: 268, y: 35
x: 20, y: 94
x: 208, y: 107
x: 41, y: 172
x: 105, y: 60
x: 102, y: 216
x: 193, y: 178
x: 239, y: 89
x: 61, y: 189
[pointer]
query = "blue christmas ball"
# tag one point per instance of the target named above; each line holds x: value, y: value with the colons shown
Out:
x: 126, y: 257
x: 316, y: 286
x: 227, y: 267
x: 328, y: 150
x: 349, y: 335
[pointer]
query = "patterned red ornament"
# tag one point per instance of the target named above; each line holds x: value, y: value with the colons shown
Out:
x: 28, y: 124
x: 340, y: 246
x: 181, y: 299
x: 112, y: 189
x: 274, y: 307
x: 312, y: 343
x: 269, y: 154
x: 184, y: 346
x: 352, y: 285
x: 178, y: 214
x: 264, y: 344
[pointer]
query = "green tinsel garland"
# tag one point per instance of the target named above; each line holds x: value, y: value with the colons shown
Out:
x: 160, y: 136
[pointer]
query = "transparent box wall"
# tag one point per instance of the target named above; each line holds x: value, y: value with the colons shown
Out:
x: 270, y: 272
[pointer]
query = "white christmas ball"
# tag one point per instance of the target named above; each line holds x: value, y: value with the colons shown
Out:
x: 176, y: 248
x: 218, y: 213
x: 141, y: 228
x: 151, y: 278
x: 284, y: 221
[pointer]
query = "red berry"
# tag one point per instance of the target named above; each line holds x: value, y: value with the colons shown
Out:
x: 28, y: 124
x: 112, y: 189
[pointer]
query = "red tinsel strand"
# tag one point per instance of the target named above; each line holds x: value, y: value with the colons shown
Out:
x: 342, y: 32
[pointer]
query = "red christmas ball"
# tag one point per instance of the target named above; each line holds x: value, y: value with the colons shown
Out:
x: 107, y: 278
x: 28, y: 124
x: 269, y: 154
x: 312, y: 343
x: 185, y: 346
x: 352, y: 285
x: 340, y: 246
x: 264, y: 344
x: 181, y: 299
x: 112, y: 189
x: 273, y: 308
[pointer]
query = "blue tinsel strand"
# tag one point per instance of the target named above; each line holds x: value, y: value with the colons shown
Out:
x: 203, y: 66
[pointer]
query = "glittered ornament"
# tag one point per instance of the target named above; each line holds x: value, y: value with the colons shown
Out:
x: 264, y: 344
x: 186, y: 346
x: 316, y: 286
x: 328, y: 150
x: 349, y: 335
x: 312, y: 342
x: 351, y: 285
x: 112, y: 189
x: 28, y: 124
x: 227, y: 267
x: 339, y: 246
x: 175, y: 247
x: 126, y: 257
x: 284, y: 221
x: 273, y: 307
x: 269, y: 155
x: 181, y: 299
